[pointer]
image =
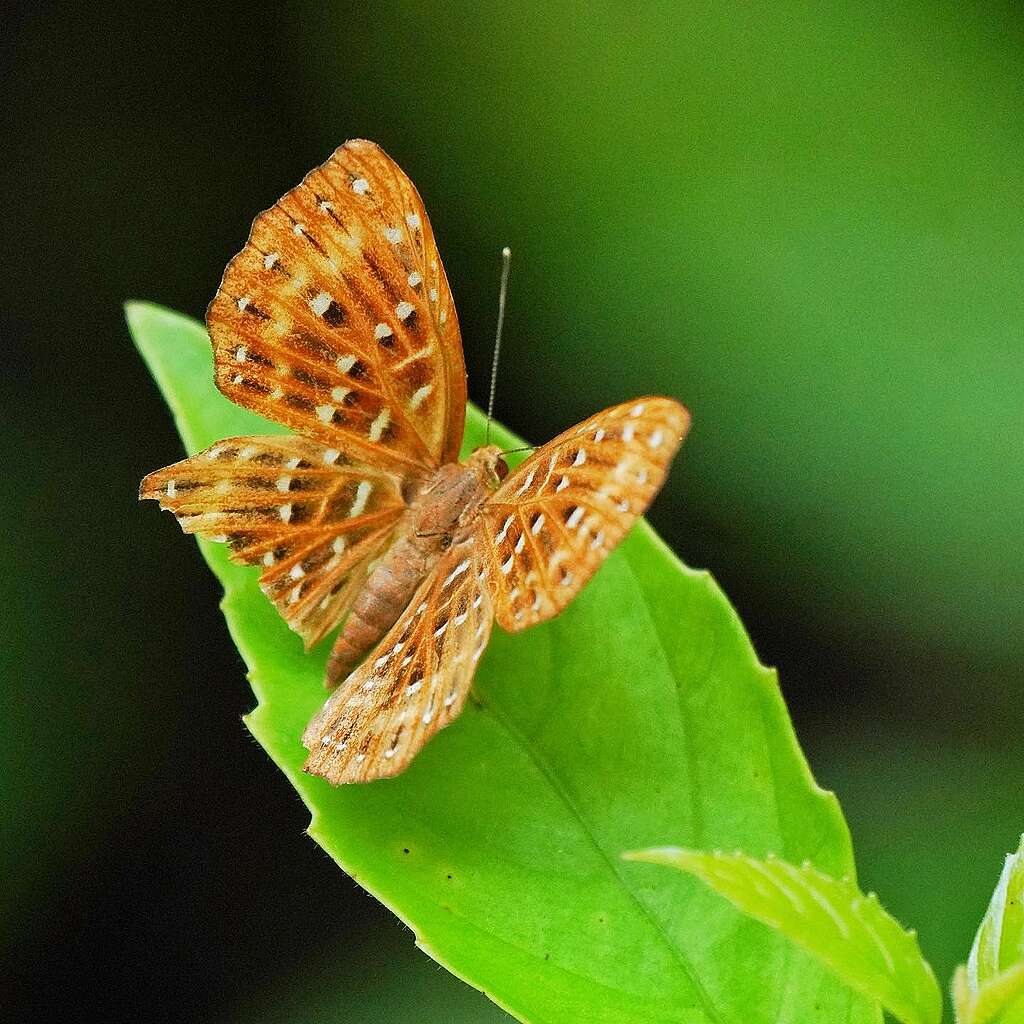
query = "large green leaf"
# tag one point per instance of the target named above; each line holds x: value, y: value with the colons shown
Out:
x: 830, y: 917
x: 639, y: 717
x: 991, y: 986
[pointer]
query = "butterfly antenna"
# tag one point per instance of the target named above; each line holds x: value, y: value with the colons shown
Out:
x: 506, y: 265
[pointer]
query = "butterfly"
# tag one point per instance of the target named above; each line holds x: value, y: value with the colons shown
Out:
x: 336, y: 320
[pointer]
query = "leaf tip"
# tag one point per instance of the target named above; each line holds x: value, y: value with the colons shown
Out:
x: 136, y: 310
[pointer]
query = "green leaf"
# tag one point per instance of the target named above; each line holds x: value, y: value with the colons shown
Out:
x: 830, y: 918
x: 991, y: 986
x: 638, y: 716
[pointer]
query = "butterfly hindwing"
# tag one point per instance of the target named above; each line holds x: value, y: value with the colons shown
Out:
x: 553, y: 521
x: 336, y: 319
x: 416, y: 681
x: 311, y: 521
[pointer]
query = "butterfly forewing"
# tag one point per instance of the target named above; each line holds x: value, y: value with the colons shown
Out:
x: 553, y: 521
x: 336, y: 319
x: 311, y: 521
x: 416, y: 681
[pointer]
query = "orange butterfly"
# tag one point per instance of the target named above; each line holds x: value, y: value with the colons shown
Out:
x: 336, y: 319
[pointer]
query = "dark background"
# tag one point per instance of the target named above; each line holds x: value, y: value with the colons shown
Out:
x: 804, y: 222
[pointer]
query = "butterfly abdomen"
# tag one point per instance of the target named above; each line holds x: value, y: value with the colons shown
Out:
x: 434, y: 515
x: 386, y: 593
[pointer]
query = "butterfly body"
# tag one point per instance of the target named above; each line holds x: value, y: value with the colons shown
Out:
x: 336, y: 320
x: 444, y: 504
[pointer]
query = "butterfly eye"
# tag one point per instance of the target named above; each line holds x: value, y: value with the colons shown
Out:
x: 500, y: 468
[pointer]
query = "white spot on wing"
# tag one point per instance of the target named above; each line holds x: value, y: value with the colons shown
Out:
x: 404, y: 310
x: 285, y: 512
x: 270, y: 259
x: 506, y: 566
x: 321, y: 303
x: 339, y: 394
x: 362, y: 496
x: 504, y: 530
x: 331, y: 456
x: 380, y: 424
x: 419, y: 395
x: 360, y: 186
x: 413, y: 220
x: 284, y: 484
x: 382, y: 331
x: 325, y: 413
x: 526, y: 484
x: 656, y: 438
x: 345, y: 363
x: 456, y: 572
x: 240, y: 354
x: 393, y: 235
x: 415, y: 279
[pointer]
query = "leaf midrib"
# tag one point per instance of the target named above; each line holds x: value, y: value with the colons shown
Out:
x: 611, y: 860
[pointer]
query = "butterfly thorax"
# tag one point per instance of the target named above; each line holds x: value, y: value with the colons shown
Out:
x: 444, y: 503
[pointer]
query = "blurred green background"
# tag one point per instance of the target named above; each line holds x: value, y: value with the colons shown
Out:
x: 803, y: 219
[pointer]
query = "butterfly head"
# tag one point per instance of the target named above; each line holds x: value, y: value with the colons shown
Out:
x: 490, y: 464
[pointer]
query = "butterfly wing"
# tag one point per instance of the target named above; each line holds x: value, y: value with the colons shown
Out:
x: 387, y: 709
x: 311, y: 521
x: 336, y: 319
x: 555, y: 519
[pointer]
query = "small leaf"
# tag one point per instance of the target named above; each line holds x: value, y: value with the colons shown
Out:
x: 830, y: 918
x: 991, y: 986
x: 1000, y: 999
